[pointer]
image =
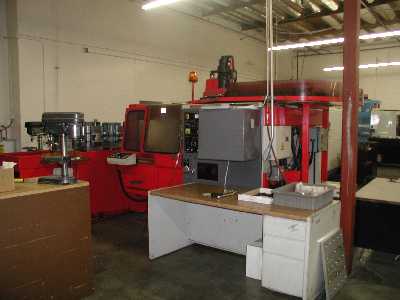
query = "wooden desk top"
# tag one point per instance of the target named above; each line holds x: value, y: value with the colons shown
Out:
x: 32, y: 188
x: 194, y: 193
x: 380, y: 190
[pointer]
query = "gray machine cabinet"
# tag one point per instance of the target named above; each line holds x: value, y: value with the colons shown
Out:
x: 229, y: 134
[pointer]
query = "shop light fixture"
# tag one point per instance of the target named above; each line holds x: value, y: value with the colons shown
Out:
x: 308, y: 44
x: 158, y: 3
x: 386, y: 34
x: 370, y: 36
x: 367, y: 66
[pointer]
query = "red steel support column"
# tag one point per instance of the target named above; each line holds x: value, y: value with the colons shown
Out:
x: 351, y: 51
x: 324, y: 155
x: 305, y: 143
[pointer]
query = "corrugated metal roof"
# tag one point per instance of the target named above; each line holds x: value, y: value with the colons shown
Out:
x: 295, y: 20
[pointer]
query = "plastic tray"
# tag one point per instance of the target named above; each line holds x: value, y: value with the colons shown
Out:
x: 298, y: 195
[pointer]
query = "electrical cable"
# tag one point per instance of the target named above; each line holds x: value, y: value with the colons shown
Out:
x: 126, y: 193
x: 314, y: 168
x: 275, y: 158
x: 270, y: 169
x: 295, y: 149
x: 312, y: 152
x: 226, y: 175
x: 269, y: 97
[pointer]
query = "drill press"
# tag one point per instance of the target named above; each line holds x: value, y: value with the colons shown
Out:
x: 63, y: 125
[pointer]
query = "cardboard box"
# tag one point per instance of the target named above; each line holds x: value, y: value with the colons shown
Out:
x: 45, y: 243
x: 254, y: 256
x: 6, y: 180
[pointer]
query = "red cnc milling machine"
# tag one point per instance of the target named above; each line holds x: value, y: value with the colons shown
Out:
x: 302, y: 104
x: 152, y: 132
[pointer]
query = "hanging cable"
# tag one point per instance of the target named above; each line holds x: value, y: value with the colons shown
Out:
x: 125, y: 192
x: 270, y: 95
x: 226, y: 176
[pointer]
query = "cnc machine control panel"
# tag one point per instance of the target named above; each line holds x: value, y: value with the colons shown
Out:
x: 122, y: 159
x: 191, y: 119
x: 191, y: 131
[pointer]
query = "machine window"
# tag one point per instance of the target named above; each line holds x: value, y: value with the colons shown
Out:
x: 163, y: 131
x: 207, y: 171
x: 134, y: 130
x: 398, y: 126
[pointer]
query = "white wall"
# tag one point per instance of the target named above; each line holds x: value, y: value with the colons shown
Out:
x: 4, y: 82
x: 381, y: 84
x: 97, y: 56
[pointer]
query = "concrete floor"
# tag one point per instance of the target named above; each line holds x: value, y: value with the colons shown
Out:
x: 123, y: 271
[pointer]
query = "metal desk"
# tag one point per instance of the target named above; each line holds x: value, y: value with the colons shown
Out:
x: 378, y: 216
x: 182, y: 215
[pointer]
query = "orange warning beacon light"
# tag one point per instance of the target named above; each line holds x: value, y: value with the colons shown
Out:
x: 193, y: 78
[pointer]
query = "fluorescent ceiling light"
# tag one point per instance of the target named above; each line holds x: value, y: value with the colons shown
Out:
x: 380, y: 35
x: 158, y: 3
x: 331, y: 69
x: 367, y: 66
x: 331, y: 4
x: 370, y: 36
x: 308, y: 44
x: 315, y: 7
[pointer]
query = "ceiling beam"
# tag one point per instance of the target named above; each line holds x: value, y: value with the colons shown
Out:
x: 327, y: 12
x: 395, y: 10
x: 224, y: 9
x: 377, y: 16
x: 333, y: 32
x: 296, y: 7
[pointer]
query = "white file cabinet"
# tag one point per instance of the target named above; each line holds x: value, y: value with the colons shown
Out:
x: 291, y: 255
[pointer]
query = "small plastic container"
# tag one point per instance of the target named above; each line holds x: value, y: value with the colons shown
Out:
x: 303, y: 196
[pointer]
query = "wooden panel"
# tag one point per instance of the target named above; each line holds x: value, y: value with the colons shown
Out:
x: 32, y: 188
x: 45, y: 243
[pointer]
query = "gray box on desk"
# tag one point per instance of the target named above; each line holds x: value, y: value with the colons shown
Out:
x: 286, y: 196
x: 229, y: 134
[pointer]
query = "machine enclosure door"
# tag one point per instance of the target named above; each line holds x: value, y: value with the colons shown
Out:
x: 229, y: 134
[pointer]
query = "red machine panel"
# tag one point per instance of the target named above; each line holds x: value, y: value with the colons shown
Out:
x: 106, y: 196
x: 29, y: 164
x: 153, y: 133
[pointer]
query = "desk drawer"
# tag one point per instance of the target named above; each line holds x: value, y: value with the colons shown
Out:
x: 285, y: 228
x: 284, y: 247
x: 282, y: 274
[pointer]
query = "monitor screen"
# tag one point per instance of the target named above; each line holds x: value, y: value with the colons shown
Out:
x: 163, y: 131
